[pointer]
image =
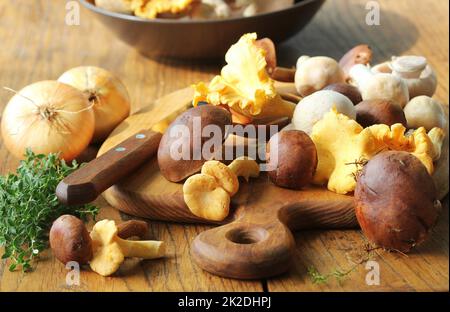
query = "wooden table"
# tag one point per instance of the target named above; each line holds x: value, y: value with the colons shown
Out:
x: 37, y: 45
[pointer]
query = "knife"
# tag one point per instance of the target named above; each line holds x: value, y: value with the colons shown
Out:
x: 93, y: 178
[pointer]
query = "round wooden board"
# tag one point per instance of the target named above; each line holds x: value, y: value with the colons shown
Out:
x: 147, y: 194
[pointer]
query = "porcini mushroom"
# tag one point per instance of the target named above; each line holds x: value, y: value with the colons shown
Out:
x: 292, y: 159
x: 315, y: 73
x: 70, y: 241
x: 417, y: 73
x: 346, y: 89
x: 372, y: 112
x: 396, y: 201
x: 312, y: 108
x: 110, y: 251
x: 381, y: 86
x: 196, y: 119
x: 423, y: 111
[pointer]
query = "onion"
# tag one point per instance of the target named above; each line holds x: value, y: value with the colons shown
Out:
x: 106, y: 92
x: 48, y: 117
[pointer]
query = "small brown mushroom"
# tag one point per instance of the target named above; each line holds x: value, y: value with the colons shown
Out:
x: 70, y: 240
x: 396, y: 201
x: 346, y: 89
x: 292, y: 159
x: 181, y: 138
x: 373, y: 112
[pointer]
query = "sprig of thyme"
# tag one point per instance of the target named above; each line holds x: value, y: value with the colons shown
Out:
x: 317, y: 278
x: 339, y: 275
x: 28, y: 207
x: 359, y: 164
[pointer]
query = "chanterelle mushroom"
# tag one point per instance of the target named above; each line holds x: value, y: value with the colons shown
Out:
x: 208, y: 194
x: 244, y: 85
x: 110, y: 250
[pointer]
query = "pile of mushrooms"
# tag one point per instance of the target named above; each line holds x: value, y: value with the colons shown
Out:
x: 391, y: 98
x: 400, y: 89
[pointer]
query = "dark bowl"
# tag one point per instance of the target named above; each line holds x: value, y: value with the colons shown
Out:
x: 207, y: 39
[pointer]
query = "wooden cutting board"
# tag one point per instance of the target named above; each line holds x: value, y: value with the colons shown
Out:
x: 255, y: 241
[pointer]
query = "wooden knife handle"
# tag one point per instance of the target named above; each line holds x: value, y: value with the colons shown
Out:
x: 87, y: 183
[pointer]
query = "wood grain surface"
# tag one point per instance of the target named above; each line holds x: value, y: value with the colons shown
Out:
x: 37, y: 45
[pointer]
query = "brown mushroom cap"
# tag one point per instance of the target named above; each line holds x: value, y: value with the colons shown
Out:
x: 70, y: 240
x: 176, y: 170
x: 360, y: 54
x: 346, y: 89
x: 372, y: 112
x: 297, y: 159
x: 396, y: 201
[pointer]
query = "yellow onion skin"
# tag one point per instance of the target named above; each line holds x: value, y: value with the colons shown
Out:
x: 106, y: 92
x: 48, y: 117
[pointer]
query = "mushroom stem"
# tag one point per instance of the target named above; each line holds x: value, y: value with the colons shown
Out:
x: 141, y: 249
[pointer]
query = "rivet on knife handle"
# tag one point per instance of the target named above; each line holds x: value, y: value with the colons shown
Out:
x: 87, y: 183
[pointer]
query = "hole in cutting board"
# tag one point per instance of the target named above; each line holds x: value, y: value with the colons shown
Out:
x: 246, y: 235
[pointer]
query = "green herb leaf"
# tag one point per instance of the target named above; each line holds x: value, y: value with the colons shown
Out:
x: 28, y: 206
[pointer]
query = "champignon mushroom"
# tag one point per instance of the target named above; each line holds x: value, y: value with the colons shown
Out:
x: 380, y: 85
x: 423, y: 111
x: 417, y: 73
x: 312, y: 108
x: 315, y: 73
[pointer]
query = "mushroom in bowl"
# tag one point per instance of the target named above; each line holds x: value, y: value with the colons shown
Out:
x: 203, y: 38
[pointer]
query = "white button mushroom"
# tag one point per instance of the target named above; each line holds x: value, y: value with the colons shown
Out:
x: 423, y: 111
x: 380, y: 86
x: 417, y: 73
x: 315, y: 73
x: 313, y: 107
x: 419, y: 76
